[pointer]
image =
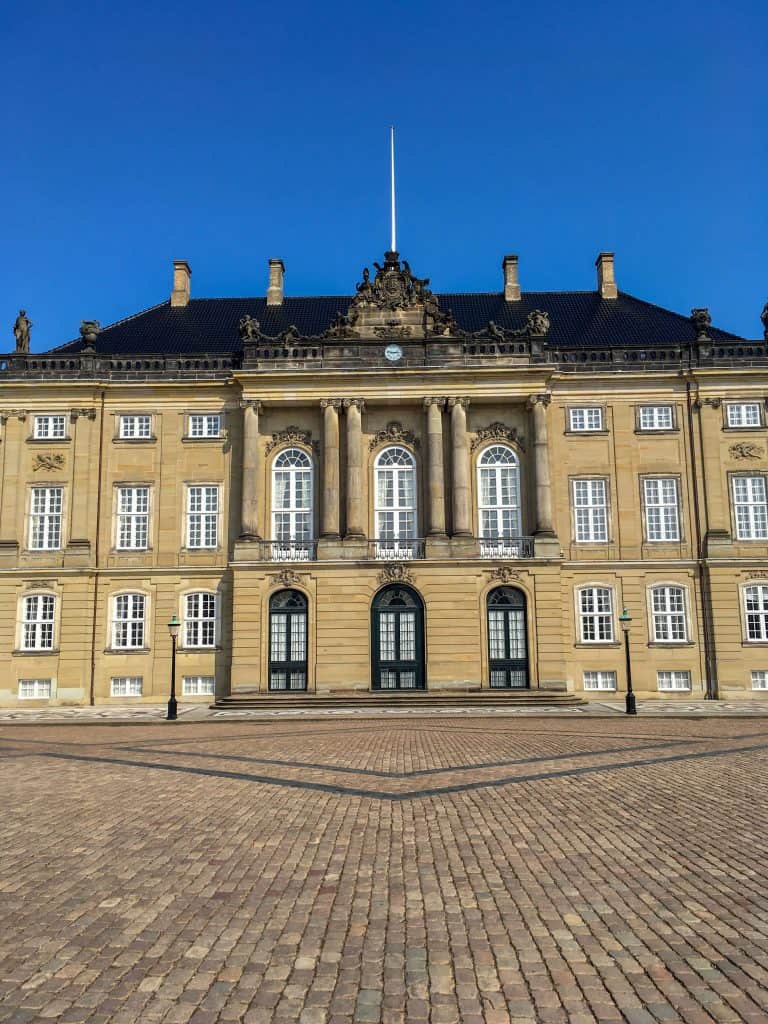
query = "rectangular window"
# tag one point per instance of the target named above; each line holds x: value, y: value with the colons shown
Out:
x: 35, y: 689
x: 673, y: 680
x: 662, y: 514
x: 128, y: 621
x: 591, y: 510
x: 127, y: 686
x: 756, y: 611
x: 202, y: 516
x: 51, y: 428
x: 198, y: 686
x: 204, y: 425
x: 760, y: 680
x: 750, y: 506
x: 596, y: 615
x: 668, y: 615
x: 656, y: 417
x: 599, y: 680
x: 584, y: 420
x: 136, y: 427
x: 200, y: 620
x: 133, y: 518
x: 743, y: 414
x: 45, y: 518
x: 39, y: 614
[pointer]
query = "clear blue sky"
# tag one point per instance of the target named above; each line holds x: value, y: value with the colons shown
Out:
x: 225, y: 133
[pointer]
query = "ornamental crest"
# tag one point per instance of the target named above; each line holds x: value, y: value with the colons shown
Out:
x: 50, y: 462
x: 744, y: 450
x: 286, y: 578
x: 395, y: 573
x: 394, y: 433
x: 291, y: 435
x: 394, y: 286
x: 498, y: 432
x: 504, y: 574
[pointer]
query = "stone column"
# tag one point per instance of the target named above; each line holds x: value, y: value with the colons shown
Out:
x: 355, y: 525
x: 462, y: 518
x: 251, y: 480
x: 435, y: 471
x: 546, y: 542
x: 82, y: 475
x: 330, y: 520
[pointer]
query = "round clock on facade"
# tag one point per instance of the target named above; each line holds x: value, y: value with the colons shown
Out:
x: 393, y: 353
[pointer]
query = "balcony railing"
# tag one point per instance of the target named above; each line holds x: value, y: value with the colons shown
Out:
x: 506, y: 547
x: 288, y: 550
x: 400, y: 550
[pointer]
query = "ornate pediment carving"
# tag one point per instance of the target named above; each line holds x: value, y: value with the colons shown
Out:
x: 498, y: 432
x: 394, y: 433
x: 291, y: 435
x: 395, y: 303
x: 286, y: 578
x: 504, y: 574
x: 396, y: 572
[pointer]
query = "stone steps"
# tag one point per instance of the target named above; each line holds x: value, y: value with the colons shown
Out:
x: 399, y: 698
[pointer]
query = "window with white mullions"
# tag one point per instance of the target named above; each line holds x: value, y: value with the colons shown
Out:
x: 395, y: 504
x: 397, y: 639
x: 756, y: 612
x: 128, y: 621
x: 507, y: 638
x: 599, y: 680
x: 673, y: 680
x: 743, y: 414
x: 37, y: 627
x: 750, y: 505
x: 668, y: 615
x: 132, y: 518
x: 204, y: 425
x: 202, y: 516
x: 662, y: 512
x: 288, y: 641
x: 590, y: 503
x: 53, y: 428
x: 200, y: 620
x: 656, y: 417
x: 292, y: 500
x: 45, y: 519
x: 498, y: 488
x: 135, y: 427
x: 595, y: 615
x: 586, y: 419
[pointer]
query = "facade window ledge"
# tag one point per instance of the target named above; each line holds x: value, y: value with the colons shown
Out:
x: 39, y: 554
x: 586, y: 433
x: 131, y: 551
x: 743, y: 430
x: 199, y: 650
x: 49, y: 440
x: 674, y: 689
x: 754, y: 643
x: 599, y: 644
x: 666, y: 644
x: 199, y: 551
x: 134, y: 440
x: 213, y: 439
x: 38, y: 652
x: 656, y: 433
x: 127, y: 650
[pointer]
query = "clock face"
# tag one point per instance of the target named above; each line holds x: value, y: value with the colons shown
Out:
x: 393, y: 353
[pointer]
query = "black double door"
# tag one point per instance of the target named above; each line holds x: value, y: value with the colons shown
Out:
x: 507, y: 639
x: 398, y: 640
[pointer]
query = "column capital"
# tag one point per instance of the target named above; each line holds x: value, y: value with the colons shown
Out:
x: 543, y: 399
x: 454, y: 401
x: 89, y: 414
x: 358, y: 403
x: 251, y: 403
x: 433, y: 400
x: 330, y: 403
x: 8, y: 414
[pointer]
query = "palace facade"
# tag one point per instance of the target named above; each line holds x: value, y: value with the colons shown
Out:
x: 391, y: 490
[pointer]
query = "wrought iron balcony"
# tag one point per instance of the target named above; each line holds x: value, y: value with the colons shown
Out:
x: 506, y: 547
x: 288, y: 550
x: 395, y: 550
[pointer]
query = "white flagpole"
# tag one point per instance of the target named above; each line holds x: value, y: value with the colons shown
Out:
x: 392, y: 179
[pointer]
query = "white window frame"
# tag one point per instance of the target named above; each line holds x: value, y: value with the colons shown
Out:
x: 132, y: 625
x: 135, y: 426
x: 200, y: 630
x: 736, y: 415
x: 674, y: 678
x: 397, y: 541
x: 648, y: 418
x: 42, y: 424
x: 204, y: 425
x: 202, y: 532
x: 599, y: 679
x: 39, y: 683
x: 749, y: 493
x: 756, y: 617
x: 661, y: 527
x: 590, y: 516
x: 597, y: 617
x: 198, y: 686
x: 497, y: 540
x: 134, y: 502
x: 585, y: 419
x: 664, y: 617
x: 295, y: 482
x: 38, y: 622
x: 759, y: 679
x: 133, y: 685
x: 46, y: 518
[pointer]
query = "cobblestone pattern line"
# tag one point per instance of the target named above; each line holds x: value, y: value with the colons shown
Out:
x: 631, y: 894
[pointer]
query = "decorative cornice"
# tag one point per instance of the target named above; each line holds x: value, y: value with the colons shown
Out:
x: 394, y: 433
x: 292, y: 435
x: 745, y: 450
x: 396, y: 572
x: 504, y: 574
x: 48, y: 462
x: 498, y: 432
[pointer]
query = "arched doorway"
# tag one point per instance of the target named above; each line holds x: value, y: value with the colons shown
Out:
x: 507, y: 639
x: 288, y: 641
x: 397, y: 639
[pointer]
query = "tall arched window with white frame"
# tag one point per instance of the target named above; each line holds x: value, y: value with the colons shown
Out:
x: 498, y: 492
x: 395, y: 508
x: 292, y: 506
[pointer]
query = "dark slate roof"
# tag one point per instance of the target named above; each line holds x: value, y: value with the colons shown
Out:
x: 578, y: 320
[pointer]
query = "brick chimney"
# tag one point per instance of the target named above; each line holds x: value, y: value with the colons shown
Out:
x: 182, y: 275
x: 606, y: 282
x: 275, y: 289
x: 511, y: 282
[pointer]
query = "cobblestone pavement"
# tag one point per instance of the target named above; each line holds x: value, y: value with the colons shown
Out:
x: 442, y: 870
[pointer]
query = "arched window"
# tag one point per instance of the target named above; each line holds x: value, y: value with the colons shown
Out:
x: 128, y: 612
x: 288, y: 641
x: 395, y: 508
x: 507, y: 638
x: 292, y: 505
x: 37, y: 626
x: 498, y: 490
x: 397, y: 638
x: 668, y: 615
x: 200, y: 620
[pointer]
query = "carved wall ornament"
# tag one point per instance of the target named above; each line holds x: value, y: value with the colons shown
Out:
x: 395, y: 573
x: 392, y: 332
x: 497, y: 432
x: 537, y: 323
x: 88, y: 414
x: 8, y: 414
x: 49, y: 462
x: 432, y: 400
x: 504, y: 574
x: 394, y: 433
x: 40, y: 585
x: 745, y: 450
x: 292, y: 435
x: 286, y: 578
x: 751, y: 574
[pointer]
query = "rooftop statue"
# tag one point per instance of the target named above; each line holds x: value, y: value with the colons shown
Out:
x: 764, y: 318
x: 701, y: 321
x: 537, y: 322
x: 250, y: 328
x: 21, y: 331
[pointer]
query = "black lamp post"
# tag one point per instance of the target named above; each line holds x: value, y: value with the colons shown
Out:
x: 173, y: 628
x: 626, y: 619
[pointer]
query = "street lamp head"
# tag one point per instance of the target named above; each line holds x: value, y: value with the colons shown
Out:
x: 174, y: 626
x: 626, y: 620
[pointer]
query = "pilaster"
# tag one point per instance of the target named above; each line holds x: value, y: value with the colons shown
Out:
x: 329, y: 545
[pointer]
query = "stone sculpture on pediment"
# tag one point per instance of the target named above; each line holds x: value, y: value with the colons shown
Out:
x: 537, y: 323
x: 21, y: 331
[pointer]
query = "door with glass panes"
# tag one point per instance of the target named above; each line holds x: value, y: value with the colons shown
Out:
x: 288, y: 641
x: 507, y: 639
x: 398, y: 640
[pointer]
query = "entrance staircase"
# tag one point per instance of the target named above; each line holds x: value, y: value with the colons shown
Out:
x: 377, y: 700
